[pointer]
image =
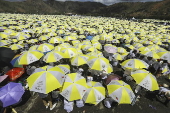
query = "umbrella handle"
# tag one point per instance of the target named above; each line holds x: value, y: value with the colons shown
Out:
x: 13, y: 110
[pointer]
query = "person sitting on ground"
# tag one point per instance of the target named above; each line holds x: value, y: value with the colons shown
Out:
x: 68, y: 105
x: 108, y: 102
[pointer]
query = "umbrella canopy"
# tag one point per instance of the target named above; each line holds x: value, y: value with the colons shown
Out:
x: 15, y: 62
x: 53, y: 56
x: 65, y: 68
x: 117, y: 56
x: 111, y: 77
x: 11, y: 93
x: 134, y: 64
x: 146, y: 80
x: 150, y: 54
x: 45, y: 47
x: 95, y: 93
x: 165, y: 56
x: 16, y: 46
x: 110, y: 49
x: 54, y: 40
x: 29, y: 57
x: 79, y: 60
x: 2, y: 78
x: 120, y: 92
x: 6, y: 55
x: 15, y: 73
x: 98, y: 63
x: 69, y: 52
x: 74, y: 87
x: 46, y: 79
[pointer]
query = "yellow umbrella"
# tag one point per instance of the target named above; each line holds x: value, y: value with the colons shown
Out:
x: 121, y: 50
x: 79, y: 60
x: 120, y: 92
x: 117, y: 56
x: 65, y: 68
x: 165, y: 56
x: 34, y: 47
x: 46, y: 79
x: 74, y: 87
x: 150, y: 54
x: 3, y: 43
x: 45, y: 47
x: 129, y: 46
x: 43, y: 37
x: 69, y: 52
x: 3, y: 35
x: 16, y: 46
x: 95, y: 93
x: 54, y: 40
x: 98, y: 63
x: 142, y: 49
x: 68, y: 38
x: 134, y: 64
x: 53, y: 56
x: 29, y: 57
x: 146, y: 80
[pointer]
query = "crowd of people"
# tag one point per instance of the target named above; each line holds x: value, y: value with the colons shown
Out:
x: 156, y: 66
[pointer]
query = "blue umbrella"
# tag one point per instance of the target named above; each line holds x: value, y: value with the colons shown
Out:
x: 11, y: 93
x: 89, y: 37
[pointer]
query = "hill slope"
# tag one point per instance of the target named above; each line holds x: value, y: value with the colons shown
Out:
x: 157, y: 10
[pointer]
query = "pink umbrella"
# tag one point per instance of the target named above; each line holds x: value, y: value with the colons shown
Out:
x: 110, y: 49
x: 112, y: 77
x: 3, y: 78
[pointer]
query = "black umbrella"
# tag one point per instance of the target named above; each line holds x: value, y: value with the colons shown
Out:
x: 6, y: 55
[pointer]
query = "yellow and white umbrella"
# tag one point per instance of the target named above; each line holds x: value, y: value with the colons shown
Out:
x: 34, y: 47
x: 3, y: 43
x: 165, y: 56
x: 79, y: 60
x: 153, y: 47
x: 120, y: 92
x: 43, y: 37
x: 117, y: 56
x: 142, y: 49
x: 21, y: 37
x: 16, y: 46
x: 29, y: 57
x: 54, y: 40
x: 69, y: 52
x: 3, y: 35
x: 53, y: 56
x: 45, y: 47
x: 129, y: 46
x: 65, y: 68
x: 150, y: 54
x: 95, y: 93
x: 135, y: 64
x: 98, y: 63
x: 121, y: 50
x: 45, y: 79
x: 74, y: 87
x: 146, y: 80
